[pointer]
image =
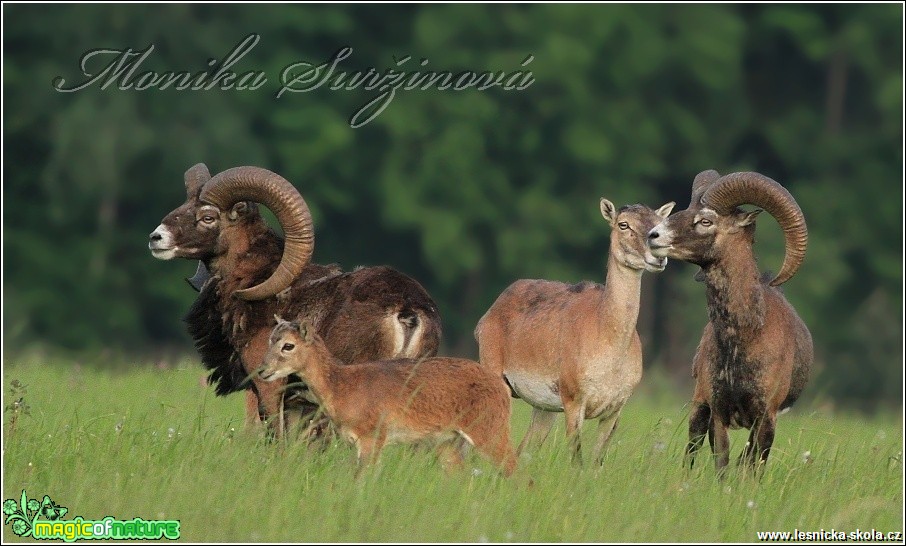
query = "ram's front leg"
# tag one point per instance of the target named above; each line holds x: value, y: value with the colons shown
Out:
x: 253, y: 417
x: 721, y: 444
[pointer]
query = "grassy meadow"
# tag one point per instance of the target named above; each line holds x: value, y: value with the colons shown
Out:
x: 156, y: 443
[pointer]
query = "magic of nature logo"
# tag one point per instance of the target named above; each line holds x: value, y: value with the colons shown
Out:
x: 44, y: 520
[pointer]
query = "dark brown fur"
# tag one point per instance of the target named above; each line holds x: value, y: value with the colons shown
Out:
x: 755, y: 352
x: 350, y: 310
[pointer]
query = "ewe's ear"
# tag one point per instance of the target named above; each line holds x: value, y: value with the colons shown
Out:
x: 279, y: 320
x: 745, y: 218
x: 665, y: 210
x: 608, y: 211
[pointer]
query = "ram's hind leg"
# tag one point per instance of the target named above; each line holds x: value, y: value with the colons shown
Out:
x: 699, y: 426
x: 764, y: 439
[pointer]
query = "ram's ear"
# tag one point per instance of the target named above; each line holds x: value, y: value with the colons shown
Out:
x: 745, y: 218
x: 242, y: 208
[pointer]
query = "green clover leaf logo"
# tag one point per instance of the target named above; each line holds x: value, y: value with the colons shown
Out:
x: 25, y: 514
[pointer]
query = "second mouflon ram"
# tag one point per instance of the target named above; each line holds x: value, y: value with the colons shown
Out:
x: 575, y: 348
x: 755, y: 353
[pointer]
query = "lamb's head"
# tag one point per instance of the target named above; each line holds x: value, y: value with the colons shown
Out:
x: 290, y: 350
x: 713, y: 226
x: 217, y: 209
x: 630, y: 226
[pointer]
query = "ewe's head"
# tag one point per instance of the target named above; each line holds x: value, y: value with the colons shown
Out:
x: 713, y: 226
x: 289, y: 351
x: 218, y: 208
x: 630, y: 225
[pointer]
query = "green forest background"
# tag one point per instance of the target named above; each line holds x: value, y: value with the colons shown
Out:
x: 465, y: 191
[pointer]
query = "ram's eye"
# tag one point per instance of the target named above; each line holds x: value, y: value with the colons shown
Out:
x: 288, y: 346
x: 705, y: 222
x: 624, y: 225
x: 208, y: 219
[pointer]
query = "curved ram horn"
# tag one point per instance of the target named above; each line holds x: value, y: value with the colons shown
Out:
x: 736, y: 189
x: 276, y: 193
x: 702, y: 182
x: 196, y: 177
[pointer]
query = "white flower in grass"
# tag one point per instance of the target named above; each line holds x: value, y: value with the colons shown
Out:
x: 750, y: 504
x: 807, y: 457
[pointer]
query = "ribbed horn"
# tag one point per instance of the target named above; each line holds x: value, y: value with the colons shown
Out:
x: 736, y: 189
x: 702, y: 182
x: 276, y: 193
x: 196, y: 177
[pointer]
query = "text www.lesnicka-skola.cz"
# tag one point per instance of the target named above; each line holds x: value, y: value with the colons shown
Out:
x: 831, y: 535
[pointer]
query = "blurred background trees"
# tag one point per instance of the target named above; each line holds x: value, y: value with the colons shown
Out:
x: 465, y: 191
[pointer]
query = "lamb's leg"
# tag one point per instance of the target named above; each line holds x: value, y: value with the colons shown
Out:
x: 721, y: 444
x: 606, y: 426
x: 369, y: 449
x: 699, y: 425
x: 540, y: 425
x: 497, y: 448
x: 450, y: 454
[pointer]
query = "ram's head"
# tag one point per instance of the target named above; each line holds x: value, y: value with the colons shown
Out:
x: 217, y: 210
x: 713, y: 225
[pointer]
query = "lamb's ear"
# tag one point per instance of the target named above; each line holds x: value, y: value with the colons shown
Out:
x: 608, y: 211
x: 279, y: 320
x: 305, y: 332
x: 665, y: 210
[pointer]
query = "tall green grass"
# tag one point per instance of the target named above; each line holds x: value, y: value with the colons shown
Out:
x: 157, y: 444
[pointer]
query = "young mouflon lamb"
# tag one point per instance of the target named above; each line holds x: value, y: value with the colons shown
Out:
x: 445, y: 401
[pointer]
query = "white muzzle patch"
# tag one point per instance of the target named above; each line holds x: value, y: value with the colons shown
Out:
x: 160, y: 243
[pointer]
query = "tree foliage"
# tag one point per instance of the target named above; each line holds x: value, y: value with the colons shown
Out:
x: 465, y: 190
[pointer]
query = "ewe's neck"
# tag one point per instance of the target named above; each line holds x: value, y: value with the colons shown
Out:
x: 620, y: 300
x: 734, y: 292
